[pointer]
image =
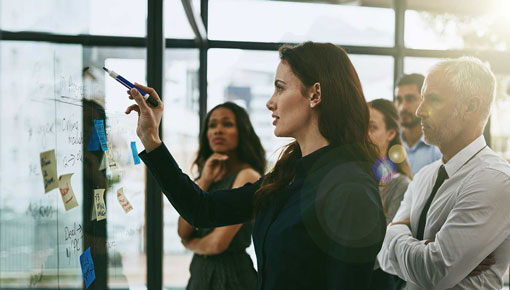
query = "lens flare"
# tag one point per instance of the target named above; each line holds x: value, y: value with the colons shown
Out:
x: 397, y: 153
x: 384, y: 169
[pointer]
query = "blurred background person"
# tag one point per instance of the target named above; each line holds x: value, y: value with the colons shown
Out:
x: 383, y: 129
x: 407, y: 100
x: 229, y: 156
x: 392, y: 169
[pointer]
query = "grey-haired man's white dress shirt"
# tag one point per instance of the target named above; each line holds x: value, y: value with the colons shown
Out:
x: 469, y: 218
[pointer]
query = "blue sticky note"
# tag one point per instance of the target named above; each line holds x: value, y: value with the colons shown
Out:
x: 99, y: 126
x: 87, y: 268
x: 93, y: 141
x: 135, y: 152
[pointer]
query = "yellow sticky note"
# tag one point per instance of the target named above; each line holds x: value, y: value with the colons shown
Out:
x: 49, y: 170
x: 123, y: 200
x: 99, y: 204
x: 66, y: 190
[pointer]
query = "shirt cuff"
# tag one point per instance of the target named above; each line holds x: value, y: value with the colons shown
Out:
x: 397, y: 230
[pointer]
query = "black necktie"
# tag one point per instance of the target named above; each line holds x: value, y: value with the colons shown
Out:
x: 441, y: 177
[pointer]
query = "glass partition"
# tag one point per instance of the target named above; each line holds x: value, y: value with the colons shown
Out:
x: 61, y: 92
x: 180, y: 134
x: 41, y: 232
x: 286, y: 21
x: 111, y: 17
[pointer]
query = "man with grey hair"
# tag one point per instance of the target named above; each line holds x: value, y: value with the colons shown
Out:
x: 452, y: 230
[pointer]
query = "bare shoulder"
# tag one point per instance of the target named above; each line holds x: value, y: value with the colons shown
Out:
x: 244, y: 176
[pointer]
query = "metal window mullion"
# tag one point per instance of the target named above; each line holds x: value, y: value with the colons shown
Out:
x: 154, y: 197
x: 203, y: 59
x: 85, y: 40
x: 398, y: 70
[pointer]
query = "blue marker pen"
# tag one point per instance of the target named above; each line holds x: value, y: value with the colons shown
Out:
x: 148, y: 98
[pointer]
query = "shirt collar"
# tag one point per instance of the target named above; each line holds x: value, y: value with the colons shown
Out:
x: 459, y: 159
x: 330, y: 154
x: 307, y: 162
x: 421, y: 141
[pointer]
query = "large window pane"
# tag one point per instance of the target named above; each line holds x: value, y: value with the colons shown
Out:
x: 419, y: 65
x: 376, y: 75
x: 111, y: 17
x: 281, y: 21
x: 434, y: 30
x: 125, y: 241
x: 500, y: 118
x: 180, y: 133
x: 36, y: 245
x: 246, y: 78
x: 175, y: 20
x: 60, y: 91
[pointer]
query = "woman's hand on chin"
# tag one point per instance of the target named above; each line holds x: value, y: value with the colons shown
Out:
x: 214, y: 168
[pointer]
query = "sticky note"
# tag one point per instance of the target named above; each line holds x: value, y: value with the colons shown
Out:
x: 66, y: 190
x: 110, y: 157
x: 99, y: 126
x: 99, y: 204
x: 135, y: 153
x: 123, y: 200
x: 87, y: 268
x: 93, y: 141
x: 49, y: 170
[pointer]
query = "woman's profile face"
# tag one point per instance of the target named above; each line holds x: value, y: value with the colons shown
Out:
x: 222, y: 133
x: 378, y: 132
x: 291, y: 109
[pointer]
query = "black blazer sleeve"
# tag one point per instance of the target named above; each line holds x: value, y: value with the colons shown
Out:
x: 199, y: 208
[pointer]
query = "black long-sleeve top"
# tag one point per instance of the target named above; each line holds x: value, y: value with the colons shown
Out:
x: 322, y: 231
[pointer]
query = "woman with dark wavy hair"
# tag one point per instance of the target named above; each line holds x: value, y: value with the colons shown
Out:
x: 319, y: 222
x: 230, y: 155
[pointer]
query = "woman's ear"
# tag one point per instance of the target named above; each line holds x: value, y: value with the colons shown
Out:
x: 392, y: 135
x: 316, y: 96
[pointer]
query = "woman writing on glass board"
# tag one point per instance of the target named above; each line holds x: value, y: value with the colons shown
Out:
x: 319, y: 222
x: 230, y: 155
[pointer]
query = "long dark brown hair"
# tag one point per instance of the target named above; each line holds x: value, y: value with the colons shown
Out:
x: 249, y: 148
x: 343, y: 113
x: 392, y: 121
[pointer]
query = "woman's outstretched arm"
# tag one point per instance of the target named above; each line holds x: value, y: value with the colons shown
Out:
x: 199, y: 208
